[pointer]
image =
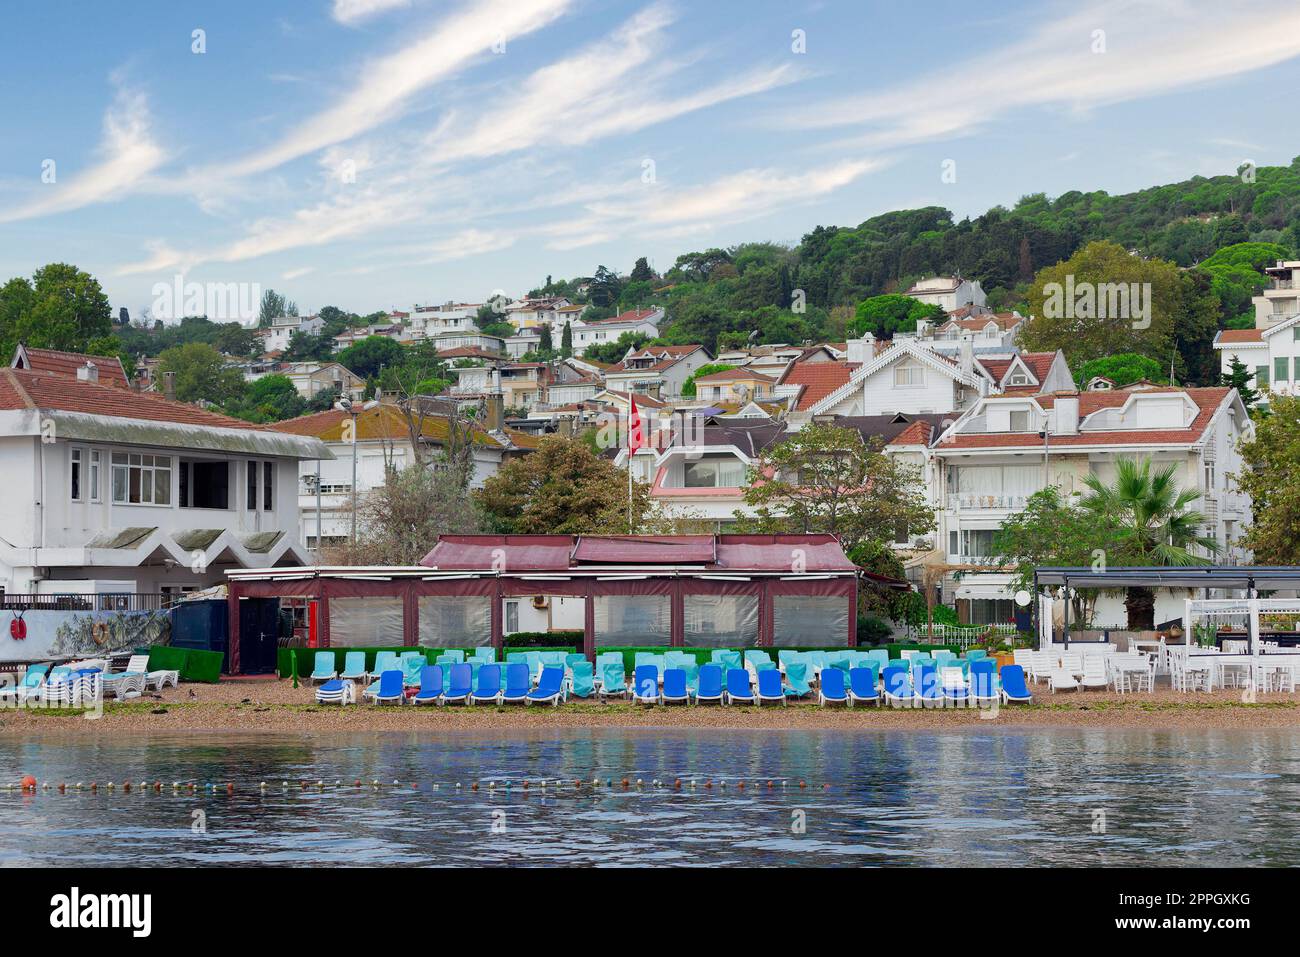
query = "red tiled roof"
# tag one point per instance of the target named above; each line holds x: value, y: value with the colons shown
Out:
x: 467, y: 352
x: 918, y: 433
x: 727, y: 375
x: 819, y: 379
x: 1207, y: 400
x: 1039, y: 363
x: 641, y: 400
x: 1240, y: 335
x: 24, y: 389
x: 632, y: 315
x: 56, y: 362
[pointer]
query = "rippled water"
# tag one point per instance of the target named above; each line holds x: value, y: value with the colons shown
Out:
x: 1008, y: 797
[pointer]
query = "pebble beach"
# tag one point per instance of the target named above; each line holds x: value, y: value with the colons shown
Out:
x: 276, y: 706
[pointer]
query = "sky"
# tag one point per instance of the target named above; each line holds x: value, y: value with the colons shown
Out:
x: 375, y: 154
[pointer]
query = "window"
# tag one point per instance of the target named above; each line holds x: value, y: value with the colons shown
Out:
x: 512, y: 617
x: 140, y: 479
x: 810, y: 621
x: 720, y: 621
x: 974, y: 543
x: 909, y: 377
x: 204, y: 484
x: 714, y: 473
x: 251, y: 501
x: 633, y: 620
x: 92, y: 478
x: 1261, y: 376
x: 76, y: 474
x: 1018, y: 379
x: 268, y: 479
x: 1020, y: 420
x: 1280, y: 369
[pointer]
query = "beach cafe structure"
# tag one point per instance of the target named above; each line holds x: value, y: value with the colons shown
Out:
x: 726, y: 591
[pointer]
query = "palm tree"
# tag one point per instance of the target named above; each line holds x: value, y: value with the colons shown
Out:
x: 1156, y: 526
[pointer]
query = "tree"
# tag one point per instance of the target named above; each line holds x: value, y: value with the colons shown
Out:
x: 562, y: 488
x: 1152, y: 523
x: 305, y: 347
x: 605, y: 287
x: 641, y: 272
x: 611, y: 352
x: 237, y: 340
x: 688, y: 387
x: 202, y: 374
x: 1273, y: 462
x: 398, y: 522
x: 827, y: 479
x: 545, y: 345
x: 61, y: 308
x: 272, y: 398
x: 883, y: 316
x: 1123, y: 369
x: 566, y: 340
x: 367, y: 357
x: 16, y: 298
x: 1051, y: 531
x: 273, y: 306
x: 1239, y: 377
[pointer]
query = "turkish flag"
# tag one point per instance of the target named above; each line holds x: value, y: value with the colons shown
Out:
x: 635, y: 427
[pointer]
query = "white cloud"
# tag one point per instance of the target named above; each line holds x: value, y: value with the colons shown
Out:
x: 127, y: 155
x: 1152, y: 47
x: 387, y: 86
x: 350, y: 11
x: 297, y: 273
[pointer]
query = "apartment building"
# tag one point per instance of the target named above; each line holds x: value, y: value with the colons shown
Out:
x: 1271, y: 350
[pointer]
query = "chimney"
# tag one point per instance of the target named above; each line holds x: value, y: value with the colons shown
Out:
x: 88, y: 373
x: 860, y: 350
x: 1067, y: 413
x: 967, y: 348
x: 922, y: 328
x: 566, y: 426
x: 169, y: 385
x: 494, y: 405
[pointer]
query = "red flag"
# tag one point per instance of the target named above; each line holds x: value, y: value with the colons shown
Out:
x: 635, y: 427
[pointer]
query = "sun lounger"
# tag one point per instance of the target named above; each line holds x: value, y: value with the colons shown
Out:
x: 324, y: 668
x: 27, y: 686
x: 832, y: 690
x: 430, y: 686
x: 518, y: 683
x: 124, y: 684
x: 582, y: 683
x: 709, y: 688
x: 613, y: 681
x: 486, y: 654
x: 1094, y: 672
x: 898, y: 689
x: 550, y: 687
x: 675, y: 690
x: 645, y: 684
x: 412, y: 667
x: 796, y: 679
x: 1062, y: 680
x: 354, y: 666
x: 384, y: 661
x: 862, y: 686
x: 488, y: 688
x: 390, y: 690
x: 769, y: 686
x: 738, y: 688
x: 338, y: 691
x: 158, y: 679
x: 726, y: 659
x: 456, y: 683
x: 984, y: 681
x: 1013, y: 685
x: 926, y: 680
x: 953, y: 683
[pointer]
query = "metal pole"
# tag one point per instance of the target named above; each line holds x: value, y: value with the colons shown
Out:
x: 354, y: 481
x: 320, y: 545
x: 1065, y: 635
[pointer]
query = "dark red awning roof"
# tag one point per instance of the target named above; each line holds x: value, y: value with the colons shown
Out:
x: 645, y: 550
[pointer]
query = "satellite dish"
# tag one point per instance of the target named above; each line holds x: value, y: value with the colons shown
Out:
x: 1023, y: 598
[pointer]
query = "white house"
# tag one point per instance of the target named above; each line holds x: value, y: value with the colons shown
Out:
x: 126, y: 492
x: 311, y: 378
x: 283, y: 328
x: 641, y: 321
x: 660, y: 371
x: 949, y: 293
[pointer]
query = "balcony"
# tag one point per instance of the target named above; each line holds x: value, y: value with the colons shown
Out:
x: 966, y: 501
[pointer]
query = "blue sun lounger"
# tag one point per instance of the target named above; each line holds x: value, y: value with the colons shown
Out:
x: 613, y: 680
x: 984, y: 681
x: 796, y: 677
x: 709, y: 687
x: 1013, y: 685
x: 550, y: 687
x: 738, y: 688
x: 862, y: 685
x: 430, y: 686
x: 645, y: 684
x: 488, y: 688
x: 324, y: 669
x: 769, y: 686
x: 832, y: 688
x: 354, y: 666
x: 582, y: 679
x: 926, y: 680
x: 337, y: 691
x: 518, y: 682
x: 675, y: 690
x: 898, y: 686
x: 384, y: 661
x: 457, y: 685
x: 390, y: 690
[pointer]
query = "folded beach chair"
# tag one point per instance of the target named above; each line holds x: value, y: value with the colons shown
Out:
x: 534, y: 666
x: 390, y: 690
x: 488, y: 687
x: 738, y: 688
x: 550, y: 687
x: 953, y: 683
x: 518, y: 683
x: 582, y: 682
x: 124, y: 684
x: 354, y: 666
x: 412, y: 667
x: 862, y: 686
x: 158, y: 679
x: 984, y: 681
x: 571, y: 660
x: 675, y: 690
x: 645, y: 684
x: 832, y: 687
x: 613, y: 680
x: 925, y: 678
x: 1013, y: 685
x: 324, y: 669
x: 898, y: 689
x: 796, y: 679
x: 339, y: 691
x: 709, y: 686
x: 769, y: 686
x: 430, y: 686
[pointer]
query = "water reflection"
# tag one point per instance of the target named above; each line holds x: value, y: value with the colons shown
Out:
x: 1086, y: 797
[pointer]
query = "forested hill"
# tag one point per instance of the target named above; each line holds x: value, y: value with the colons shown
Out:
x: 719, y: 295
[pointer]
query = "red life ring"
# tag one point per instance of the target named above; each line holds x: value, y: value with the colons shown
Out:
x: 17, y: 628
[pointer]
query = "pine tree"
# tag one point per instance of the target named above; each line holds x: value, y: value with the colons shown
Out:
x: 545, y: 345
x: 1238, y: 377
x: 566, y: 340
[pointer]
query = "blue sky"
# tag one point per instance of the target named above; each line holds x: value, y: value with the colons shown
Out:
x: 372, y: 154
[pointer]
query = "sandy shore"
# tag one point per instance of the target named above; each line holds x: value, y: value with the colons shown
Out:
x: 276, y: 706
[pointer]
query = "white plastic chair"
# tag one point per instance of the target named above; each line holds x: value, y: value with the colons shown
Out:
x: 1094, y: 672
x: 1062, y: 680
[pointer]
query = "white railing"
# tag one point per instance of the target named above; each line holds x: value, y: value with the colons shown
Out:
x: 963, y: 636
x: 971, y: 500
